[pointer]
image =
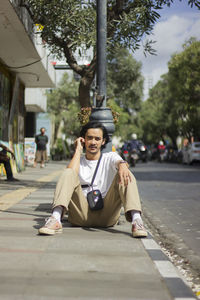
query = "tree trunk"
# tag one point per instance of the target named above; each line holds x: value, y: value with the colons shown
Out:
x: 87, y: 74
x: 56, y: 129
x: 84, y: 91
x: 174, y: 141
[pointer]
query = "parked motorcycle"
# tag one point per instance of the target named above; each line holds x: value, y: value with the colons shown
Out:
x: 161, y: 152
x: 130, y: 154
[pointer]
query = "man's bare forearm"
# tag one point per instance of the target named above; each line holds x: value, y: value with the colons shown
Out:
x: 75, y: 162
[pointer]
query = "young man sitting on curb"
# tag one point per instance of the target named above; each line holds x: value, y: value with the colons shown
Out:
x: 113, y: 181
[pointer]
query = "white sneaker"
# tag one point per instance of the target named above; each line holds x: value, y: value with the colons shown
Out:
x: 138, y: 229
x: 51, y: 227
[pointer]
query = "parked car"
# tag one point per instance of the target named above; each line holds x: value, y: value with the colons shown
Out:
x: 191, y: 153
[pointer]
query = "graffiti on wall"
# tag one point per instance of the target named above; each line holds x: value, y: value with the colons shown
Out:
x: 29, y: 151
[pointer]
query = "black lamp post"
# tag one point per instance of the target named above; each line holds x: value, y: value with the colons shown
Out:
x: 101, y: 113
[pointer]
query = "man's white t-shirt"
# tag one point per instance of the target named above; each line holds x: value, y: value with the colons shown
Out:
x: 105, y: 174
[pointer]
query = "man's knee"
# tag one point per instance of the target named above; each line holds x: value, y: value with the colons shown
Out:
x: 69, y: 177
x: 69, y: 172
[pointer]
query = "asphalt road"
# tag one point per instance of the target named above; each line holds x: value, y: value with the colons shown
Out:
x: 170, y: 194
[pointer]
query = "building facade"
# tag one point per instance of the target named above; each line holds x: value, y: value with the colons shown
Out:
x: 25, y: 73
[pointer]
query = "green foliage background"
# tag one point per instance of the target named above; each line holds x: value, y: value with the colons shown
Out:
x: 173, y: 106
x: 70, y: 24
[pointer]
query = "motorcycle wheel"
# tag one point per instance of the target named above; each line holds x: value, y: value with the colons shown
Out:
x: 132, y: 162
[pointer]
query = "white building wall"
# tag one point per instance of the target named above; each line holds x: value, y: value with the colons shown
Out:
x: 35, y: 99
x: 45, y: 58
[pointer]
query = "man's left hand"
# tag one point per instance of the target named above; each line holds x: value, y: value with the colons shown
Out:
x: 124, y: 174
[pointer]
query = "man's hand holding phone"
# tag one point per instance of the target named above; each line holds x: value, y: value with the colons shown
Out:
x: 79, y: 144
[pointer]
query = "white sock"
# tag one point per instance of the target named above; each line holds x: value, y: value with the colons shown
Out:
x: 57, y: 213
x: 135, y: 215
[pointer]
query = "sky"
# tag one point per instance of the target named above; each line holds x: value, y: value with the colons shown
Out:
x: 176, y: 25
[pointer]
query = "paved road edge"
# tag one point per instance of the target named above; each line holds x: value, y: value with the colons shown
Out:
x: 171, y: 242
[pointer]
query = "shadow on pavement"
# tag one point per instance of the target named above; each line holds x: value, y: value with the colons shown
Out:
x: 19, y: 213
x: 26, y: 183
x: 112, y: 230
x: 41, y: 221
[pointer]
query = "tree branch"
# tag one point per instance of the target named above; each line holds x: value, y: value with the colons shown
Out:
x: 115, y: 14
x: 71, y: 60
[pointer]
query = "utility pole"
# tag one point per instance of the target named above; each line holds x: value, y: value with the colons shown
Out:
x: 101, y: 51
x: 101, y: 113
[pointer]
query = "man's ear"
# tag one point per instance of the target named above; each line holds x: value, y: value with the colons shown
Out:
x: 103, y: 141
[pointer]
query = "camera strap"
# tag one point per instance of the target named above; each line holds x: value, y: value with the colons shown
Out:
x: 94, y: 175
x: 95, y: 172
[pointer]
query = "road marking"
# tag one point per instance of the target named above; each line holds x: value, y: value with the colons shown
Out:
x: 184, y: 298
x: 12, y: 198
x: 166, y: 269
x: 9, y: 199
x: 150, y: 244
x: 51, y: 176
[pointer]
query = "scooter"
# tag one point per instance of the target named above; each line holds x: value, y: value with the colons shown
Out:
x: 130, y: 156
x: 143, y: 153
x: 161, y: 155
x: 133, y: 157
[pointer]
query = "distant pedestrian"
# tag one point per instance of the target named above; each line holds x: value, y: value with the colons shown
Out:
x: 5, y: 159
x: 41, y: 141
x: 94, y: 187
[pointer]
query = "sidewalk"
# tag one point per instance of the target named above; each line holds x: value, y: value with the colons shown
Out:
x: 79, y: 263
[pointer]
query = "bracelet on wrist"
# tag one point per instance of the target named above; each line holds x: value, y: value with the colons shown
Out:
x: 124, y: 162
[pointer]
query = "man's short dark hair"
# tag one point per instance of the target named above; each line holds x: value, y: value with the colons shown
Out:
x: 94, y: 125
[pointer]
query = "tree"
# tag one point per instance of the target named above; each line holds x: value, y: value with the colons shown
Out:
x: 125, y: 91
x: 184, y: 84
x: 125, y: 81
x: 158, y: 118
x: 69, y: 24
x: 60, y: 102
x: 173, y: 107
x: 126, y: 126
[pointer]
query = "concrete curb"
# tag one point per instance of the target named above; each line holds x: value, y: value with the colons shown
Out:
x: 171, y: 241
x: 175, y: 284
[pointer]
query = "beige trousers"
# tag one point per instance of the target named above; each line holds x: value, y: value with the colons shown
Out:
x: 69, y: 194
